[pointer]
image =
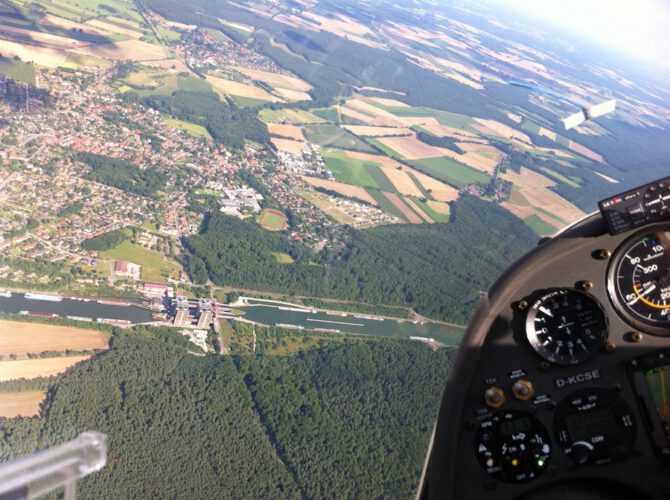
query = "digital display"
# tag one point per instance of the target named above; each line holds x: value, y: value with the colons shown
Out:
x: 659, y: 386
x: 514, y: 426
x: 584, y: 424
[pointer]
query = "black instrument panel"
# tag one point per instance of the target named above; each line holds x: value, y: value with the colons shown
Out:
x: 562, y: 382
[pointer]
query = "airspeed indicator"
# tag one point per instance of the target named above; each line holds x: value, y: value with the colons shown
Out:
x: 566, y: 327
x: 639, y: 281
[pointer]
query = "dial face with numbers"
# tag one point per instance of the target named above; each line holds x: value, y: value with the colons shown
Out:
x: 639, y: 281
x: 566, y: 327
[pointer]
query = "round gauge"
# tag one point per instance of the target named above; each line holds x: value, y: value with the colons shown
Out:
x: 513, y: 446
x: 639, y: 281
x: 566, y: 327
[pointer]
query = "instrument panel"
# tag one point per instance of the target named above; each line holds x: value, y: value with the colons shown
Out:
x: 562, y: 383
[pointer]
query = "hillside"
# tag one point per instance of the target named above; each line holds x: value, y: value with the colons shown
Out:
x: 183, y: 426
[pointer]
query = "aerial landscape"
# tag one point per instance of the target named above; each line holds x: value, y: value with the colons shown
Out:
x: 244, y: 238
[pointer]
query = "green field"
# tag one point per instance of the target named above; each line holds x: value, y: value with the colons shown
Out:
x: 384, y: 148
x: 350, y: 170
x: 247, y: 102
x: 17, y: 70
x: 283, y: 258
x: 273, y: 220
x: 539, y: 226
x: 451, y: 171
x: 188, y: 127
x: 153, y: 263
x: 380, y: 177
x: 444, y: 117
x: 385, y: 204
x: 328, y: 114
x: 531, y: 127
x: 437, y: 217
x: 560, y: 177
x: 336, y: 137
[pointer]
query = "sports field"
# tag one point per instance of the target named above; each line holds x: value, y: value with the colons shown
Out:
x: 273, y: 220
x: 21, y: 337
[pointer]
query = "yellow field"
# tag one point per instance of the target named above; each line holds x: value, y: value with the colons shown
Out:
x: 20, y: 338
x: 21, y: 35
x: 275, y: 79
x: 32, y: 368
x: 50, y: 58
x: 240, y: 89
x: 385, y: 161
x: 289, y: 146
x: 404, y: 209
x: 384, y: 101
x: 112, y: 28
x: 411, y: 148
x: 134, y: 50
x: 439, y: 207
x: 438, y: 190
x: 286, y: 130
x: 527, y: 177
x: 492, y: 127
x: 21, y: 404
x: 292, y: 95
x: 368, y: 131
x: 584, y: 151
x: 340, y: 187
x: 66, y: 24
x: 402, y: 182
x: 549, y: 134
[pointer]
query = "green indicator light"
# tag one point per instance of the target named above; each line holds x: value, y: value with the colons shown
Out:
x: 540, y: 463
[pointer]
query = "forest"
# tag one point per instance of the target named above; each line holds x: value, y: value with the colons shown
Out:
x: 437, y: 269
x: 106, y: 240
x: 123, y: 175
x: 225, y: 123
x: 350, y: 419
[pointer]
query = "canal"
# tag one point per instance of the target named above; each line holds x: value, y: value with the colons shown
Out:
x: 270, y: 314
x: 71, y: 307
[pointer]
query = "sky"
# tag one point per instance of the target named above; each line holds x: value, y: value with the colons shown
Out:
x: 638, y: 28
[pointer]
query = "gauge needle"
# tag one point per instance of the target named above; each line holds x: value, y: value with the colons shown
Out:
x: 546, y: 311
x: 640, y: 295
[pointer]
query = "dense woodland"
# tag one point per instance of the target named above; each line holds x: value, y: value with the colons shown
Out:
x: 436, y: 269
x: 225, y: 123
x: 351, y: 419
x: 106, y: 240
x: 123, y: 175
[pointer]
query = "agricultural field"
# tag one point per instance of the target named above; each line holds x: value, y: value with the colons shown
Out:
x: 336, y: 137
x: 20, y: 338
x: 347, y: 190
x: 20, y: 404
x: 155, y: 266
x: 286, y: 131
x: 321, y: 201
x: 451, y: 171
x: 294, y: 116
x: 350, y: 170
x: 290, y: 146
x: 273, y: 220
x: 32, y: 368
x: 17, y: 70
x: 190, y: 128
x: 240, y: 89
